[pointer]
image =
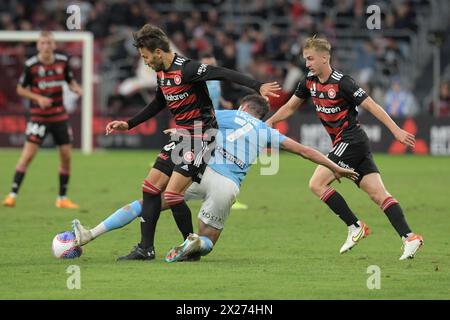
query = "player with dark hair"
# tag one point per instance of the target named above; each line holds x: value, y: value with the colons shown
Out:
x: 241, y: 138
x: 336, y: 97
x: 42, y: 82
x: 182, y: 88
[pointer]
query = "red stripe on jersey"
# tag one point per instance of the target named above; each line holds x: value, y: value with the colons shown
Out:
x: 337, y: 131
x: 176, y: 89
x: 48, y: 78
x: 326, y: 87
x: 39, y: 111
x: 170, y: 74
x: 176, y: 104
x: 50, y: 119
x: 327, y: 102
x: 333, y: 116
x: 187, y: 115
x: 47, y: 67
x: 57, y: 89
x: 191, y: 126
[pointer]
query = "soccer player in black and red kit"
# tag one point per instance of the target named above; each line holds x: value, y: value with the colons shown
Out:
x: 182, y: 89
x: 42, y: 82
x: 336, y: 97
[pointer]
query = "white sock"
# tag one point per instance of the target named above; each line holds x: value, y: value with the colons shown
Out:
x: 62, y: 197
x: 98, y: 230
x: 13, y: 194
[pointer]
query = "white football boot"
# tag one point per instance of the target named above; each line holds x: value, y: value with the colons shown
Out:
x: 82, y: 235
x: 355, y: 235
x: 189, y: 247
x: 411, y: 245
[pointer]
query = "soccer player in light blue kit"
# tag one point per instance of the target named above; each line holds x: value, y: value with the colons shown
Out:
x: 241, y: 138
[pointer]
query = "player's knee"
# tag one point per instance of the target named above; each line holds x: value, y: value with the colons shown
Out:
x: 378, y: 197
x: 315, y: 187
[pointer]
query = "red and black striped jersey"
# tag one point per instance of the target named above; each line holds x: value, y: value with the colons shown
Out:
x: 182, y: 88
x: 47, y: 80
x: 335, y: 101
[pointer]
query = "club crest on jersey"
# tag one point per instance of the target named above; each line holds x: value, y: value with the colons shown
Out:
x: 331, y: 93
x: 188, y: 156
x: 41, y: 71
x: 177, y: 79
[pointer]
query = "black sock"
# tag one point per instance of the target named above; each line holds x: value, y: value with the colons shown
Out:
x: 63, y: 182
x: 337, y: 203
x: 183, y: 218
x: 17, y: 181
x: 395, y: 215
x: 151, y: 209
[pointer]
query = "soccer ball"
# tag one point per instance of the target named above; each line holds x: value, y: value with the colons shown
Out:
x: 64, y: 247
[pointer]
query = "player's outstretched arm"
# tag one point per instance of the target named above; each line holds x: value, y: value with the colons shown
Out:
x: 285, y: 111
x: 75, y: 87
x: 401, y: 135
x: 317, y: 157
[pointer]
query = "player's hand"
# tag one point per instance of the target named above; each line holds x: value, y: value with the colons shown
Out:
x: 116, y: 126
x: 268, y: 90
x: 78, y: 91
x: 269, y: 123
x: 170, y: 131
x: 346, y: 173
x: 405, y: 137
x: 44, y: 102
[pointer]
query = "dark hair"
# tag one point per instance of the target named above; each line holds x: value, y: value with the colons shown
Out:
x: 151, y: 38
x: 257, y: 104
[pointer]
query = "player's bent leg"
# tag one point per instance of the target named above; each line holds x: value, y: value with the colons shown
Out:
x: 321, y: 180
x: 174, y: 196
x: 28, y: 153
x: 373, y: 185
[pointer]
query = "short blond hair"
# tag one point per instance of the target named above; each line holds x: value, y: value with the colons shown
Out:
x: 318, y: 44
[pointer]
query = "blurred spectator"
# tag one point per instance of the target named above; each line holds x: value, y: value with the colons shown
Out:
x: 443, y: 110
x: 400, y: 102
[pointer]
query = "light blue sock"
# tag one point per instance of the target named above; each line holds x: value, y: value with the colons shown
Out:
x: 206, y: 245
x: 123, y: 216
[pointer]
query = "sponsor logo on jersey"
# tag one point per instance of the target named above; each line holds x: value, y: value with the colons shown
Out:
x: 176, y: 97
x: 50, y: 84
x: 327, y: 110
x: 331, y: 93
x: 202, y: 68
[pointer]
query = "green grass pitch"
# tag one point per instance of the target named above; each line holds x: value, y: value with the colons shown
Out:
x: 286, y: 246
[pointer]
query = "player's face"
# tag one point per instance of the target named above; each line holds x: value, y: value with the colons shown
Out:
x: 153, y: 59
x: 315, y: 61
x: 46, y: 45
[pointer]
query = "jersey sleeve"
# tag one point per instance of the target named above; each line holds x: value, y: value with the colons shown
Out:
x: 194, y: 71
x: 302, y: 91
x: 68, y: 74
x: 25, y: 77
x: 351, y: 91
x: 274, y: 137
x: 150, y: 110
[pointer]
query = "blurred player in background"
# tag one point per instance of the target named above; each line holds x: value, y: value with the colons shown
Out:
x: 336, y: 97
x: 42, y: 82
x: 182, y: 89
x: 242, y: 137
x: 219, y: 103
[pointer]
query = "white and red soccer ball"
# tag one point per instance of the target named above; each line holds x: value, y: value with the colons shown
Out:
x: 64, y: 246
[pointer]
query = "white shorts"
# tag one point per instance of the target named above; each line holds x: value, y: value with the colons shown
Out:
x: 218, y: 194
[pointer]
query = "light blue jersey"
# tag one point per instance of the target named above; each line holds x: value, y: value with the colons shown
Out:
x: 215, y: 92
x: 240, y: 140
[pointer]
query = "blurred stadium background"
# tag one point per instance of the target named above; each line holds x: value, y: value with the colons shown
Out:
x: 405, y: 65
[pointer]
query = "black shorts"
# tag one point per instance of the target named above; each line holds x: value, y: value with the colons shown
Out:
x: 357, y: 156
x: 60, y: 131
x: 185, y: 155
